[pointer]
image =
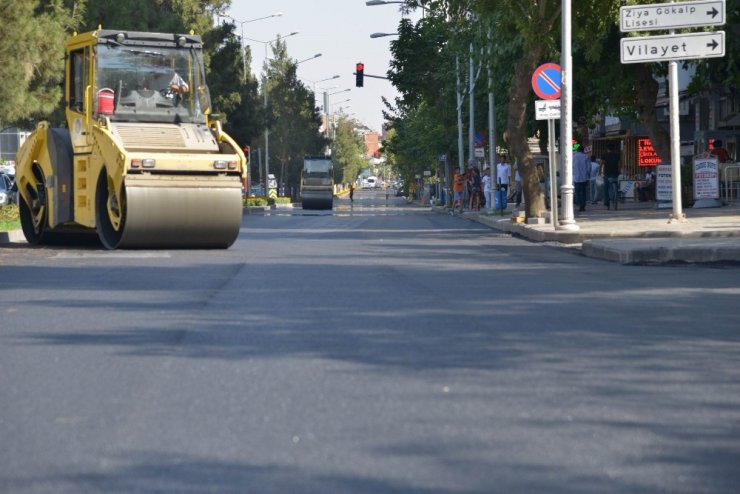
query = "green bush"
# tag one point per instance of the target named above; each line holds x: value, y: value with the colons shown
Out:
x: 9, y: 219
x: 256, y: 201
x: 280, y: 200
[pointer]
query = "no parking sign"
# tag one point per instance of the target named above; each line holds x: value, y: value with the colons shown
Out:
x: 546, y: 81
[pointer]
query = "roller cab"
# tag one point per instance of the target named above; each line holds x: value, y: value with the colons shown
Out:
x: 141, y: 163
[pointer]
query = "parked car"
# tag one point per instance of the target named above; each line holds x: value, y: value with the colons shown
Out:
x: 7, y: 195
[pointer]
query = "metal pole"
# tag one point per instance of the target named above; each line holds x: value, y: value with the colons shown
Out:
x: 553, y: 173
x: 460, y: 147
x: 471, y: 95
x: 566, y: 121
x: 267, y: 131
x: 244, y: 58
x: 267, y: 138
x: 678, y: 214
x: 491, y: 120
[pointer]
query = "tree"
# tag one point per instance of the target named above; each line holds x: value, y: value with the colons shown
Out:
x: 292, y: 116
x: 32, y: 56
x: 348, y: 150
x: 234, y: 92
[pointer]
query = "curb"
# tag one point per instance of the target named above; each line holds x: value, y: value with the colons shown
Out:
x: 12, y: 237
x: 655, y: 251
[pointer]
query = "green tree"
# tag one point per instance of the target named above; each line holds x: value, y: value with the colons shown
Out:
x: 348, y: 150
x: 33, y: 35
x: 292, y: 117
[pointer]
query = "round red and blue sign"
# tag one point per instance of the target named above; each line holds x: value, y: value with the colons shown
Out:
x: 546, y: 81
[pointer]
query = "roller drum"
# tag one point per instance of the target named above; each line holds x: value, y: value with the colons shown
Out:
x: 179, y: 213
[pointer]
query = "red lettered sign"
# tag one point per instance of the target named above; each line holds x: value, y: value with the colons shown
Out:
x: 646, y: 155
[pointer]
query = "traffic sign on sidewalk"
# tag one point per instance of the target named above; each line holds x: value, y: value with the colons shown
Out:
x: 672, y: 15
x: 546, y: 81
x: 672, y: 47
x: 547, y: 109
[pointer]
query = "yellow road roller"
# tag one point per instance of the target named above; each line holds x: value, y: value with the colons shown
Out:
x: 142, y: 163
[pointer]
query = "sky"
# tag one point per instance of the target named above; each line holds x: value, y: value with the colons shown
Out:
x: 339, y: 30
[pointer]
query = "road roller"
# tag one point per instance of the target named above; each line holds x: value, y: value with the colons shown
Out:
x: 143, y: 162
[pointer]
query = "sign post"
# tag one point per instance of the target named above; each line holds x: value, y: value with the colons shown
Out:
x: 670, y: 48
x: 666, y: 16
x: 546, y: 84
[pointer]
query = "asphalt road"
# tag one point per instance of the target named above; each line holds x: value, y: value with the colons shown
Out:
x: 370, y: 349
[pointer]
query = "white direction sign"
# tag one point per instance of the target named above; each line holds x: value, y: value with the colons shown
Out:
x: 672, y: 47
x: 672, y: 15
x: 547, y: 109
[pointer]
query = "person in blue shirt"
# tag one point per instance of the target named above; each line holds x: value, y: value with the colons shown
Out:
x: 581, y: 176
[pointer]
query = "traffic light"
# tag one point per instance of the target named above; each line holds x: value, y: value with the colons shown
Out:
x: 359, y: 74
x: 246, y: 153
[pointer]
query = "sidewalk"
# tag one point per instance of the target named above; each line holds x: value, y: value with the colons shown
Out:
x: 637, y: 233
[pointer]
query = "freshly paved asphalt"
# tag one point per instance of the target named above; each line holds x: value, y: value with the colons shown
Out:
x: 638, y: 233
x: 372, y: 349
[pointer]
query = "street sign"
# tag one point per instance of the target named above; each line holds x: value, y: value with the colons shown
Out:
x: 546, y: 81
x: 672, y: 47
x: 547, y: 109
x: 672, y: 15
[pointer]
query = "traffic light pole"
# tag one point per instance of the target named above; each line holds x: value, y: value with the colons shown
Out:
x: 373, y: 76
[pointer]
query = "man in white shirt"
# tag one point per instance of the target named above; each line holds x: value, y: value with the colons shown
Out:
x: 595, y: 168
x: 503, y: 172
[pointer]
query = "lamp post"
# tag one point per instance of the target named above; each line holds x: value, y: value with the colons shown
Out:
x: 307, y: 59
x: 241, y: 25
x: 326, y: 108
x: 381, y: 35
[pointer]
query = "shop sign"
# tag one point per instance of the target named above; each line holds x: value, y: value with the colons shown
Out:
x: 706, y: 177
x: 664, y: 182
x: 646, y: 155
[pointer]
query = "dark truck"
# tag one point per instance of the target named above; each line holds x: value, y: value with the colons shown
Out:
x: 317, y: 183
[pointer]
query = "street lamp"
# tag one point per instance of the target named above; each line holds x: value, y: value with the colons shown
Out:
x: 326, y: 107
x: 309, y: 58
x: 381, y: 35
x: 241, y: 25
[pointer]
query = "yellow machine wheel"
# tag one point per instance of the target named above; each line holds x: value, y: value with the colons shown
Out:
x: 34, y: 215
x: 110, y: 212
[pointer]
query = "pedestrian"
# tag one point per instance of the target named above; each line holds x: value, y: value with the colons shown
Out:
x: 720, y: 152
x: 595, y: 169
x: 611, y: 161
x: 351, y: 192
x: 503, y: 171
x: 581, y: 176
x: 646, y: 190
x: 458, y: 189
x: 475, y: 188
x: 486, y: 180
x: 517, y: 185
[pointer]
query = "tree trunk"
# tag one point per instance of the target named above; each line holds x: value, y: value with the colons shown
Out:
x: 647, y: 95
x: 517, y: 132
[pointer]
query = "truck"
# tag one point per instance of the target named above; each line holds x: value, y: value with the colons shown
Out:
x: 317, y: 183
x: 142, y: 161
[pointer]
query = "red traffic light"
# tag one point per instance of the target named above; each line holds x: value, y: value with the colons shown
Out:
x: 359, y: 74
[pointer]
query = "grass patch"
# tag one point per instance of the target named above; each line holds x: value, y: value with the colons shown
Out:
x: 266, y: 201
x: 9, y: 219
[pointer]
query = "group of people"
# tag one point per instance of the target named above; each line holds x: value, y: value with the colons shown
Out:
x: 479, y: 185
x: 588, y: 179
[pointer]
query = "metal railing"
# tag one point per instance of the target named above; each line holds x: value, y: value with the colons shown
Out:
x: 730, y: 189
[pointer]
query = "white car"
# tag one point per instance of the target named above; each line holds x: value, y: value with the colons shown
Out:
x: 6, y: 193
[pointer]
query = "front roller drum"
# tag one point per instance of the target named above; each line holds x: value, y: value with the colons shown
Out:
x: 168, y: 212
